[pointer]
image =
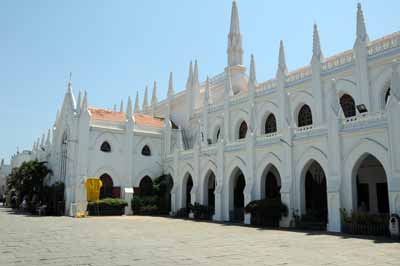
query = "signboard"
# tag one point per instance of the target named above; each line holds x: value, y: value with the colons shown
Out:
x: 93, y: 186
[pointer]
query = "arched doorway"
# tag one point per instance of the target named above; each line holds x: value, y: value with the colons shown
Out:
x: 371, y: 186
x: 107, y: 187
x: 166, y: 184
x: 209, y: 188
x: 187, y: 188
x: 236, y: 201
x: 316, y: 203
x: 146, y: 186
x: 271, y: 184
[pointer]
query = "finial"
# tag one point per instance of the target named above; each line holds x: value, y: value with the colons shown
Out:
x: 154, y: 99
x: 137, y: 107
x: 361, y: 28
x: 317, y: 53
x: 196, y: 82
x: 282, y: 68
x: 145, y: 104
x: 121, y: 106
x: 207, y: 92
x: 129, y: 108
x: 85, y: 101
x: 171, y: 85
x: 252, y: 76
x: 189, y: 81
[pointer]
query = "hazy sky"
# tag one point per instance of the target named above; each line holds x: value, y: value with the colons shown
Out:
x: 115, y: 48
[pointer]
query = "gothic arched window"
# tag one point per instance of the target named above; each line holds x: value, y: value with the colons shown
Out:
x: 387, y: 95
x: 243, y: 130
x: 348, y: 105
x: 270, y: 124
x: 305, y: 116
x: 146, y: 151
x: 105, y: 147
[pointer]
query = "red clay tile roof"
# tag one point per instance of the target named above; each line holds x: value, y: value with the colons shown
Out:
x: 140, y: 119
x: 107, y: 115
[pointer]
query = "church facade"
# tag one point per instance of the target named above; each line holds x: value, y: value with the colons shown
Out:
x: 323, y: 137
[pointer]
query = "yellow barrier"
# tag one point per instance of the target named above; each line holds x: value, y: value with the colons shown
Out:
x: 93, y: 186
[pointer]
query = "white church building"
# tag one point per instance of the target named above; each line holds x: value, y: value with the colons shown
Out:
x: 323, y: 137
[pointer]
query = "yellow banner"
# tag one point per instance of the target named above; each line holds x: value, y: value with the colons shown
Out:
x: 93, y: 186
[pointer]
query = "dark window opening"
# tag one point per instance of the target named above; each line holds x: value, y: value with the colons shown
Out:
x: 243, y: 130
x: 348, y: 105
x: 146, y: 151
x: 105, y: 147
x: 270, y: 124
x: 305, y: 116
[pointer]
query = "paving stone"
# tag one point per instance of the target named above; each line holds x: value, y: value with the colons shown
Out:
x: 138, y: 240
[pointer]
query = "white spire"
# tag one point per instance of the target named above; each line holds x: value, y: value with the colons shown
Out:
x: 42, y: 142
x: 121, y: 106
x: 154, y: 99
x: 145, y: 100
x: 129, y: 108
x: 252, y: 79
x: 282, y: 68
x: 171, y: 86
x: 317, y: 53
x: 207, y: 92
x: 69, y: 98
x: 252, y: 76
x: 189, y: 81
x: 137, y: 107
x: 79, y: 102
x: 361, y: 28
x: 195, y: 80
x: 235, y: 51
x: 48, y: 141
x: 84, y: 102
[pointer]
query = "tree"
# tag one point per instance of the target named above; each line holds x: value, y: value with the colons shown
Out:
x: 27, y: 181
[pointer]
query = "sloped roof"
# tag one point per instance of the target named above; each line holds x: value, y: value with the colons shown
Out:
x: 113, y: 116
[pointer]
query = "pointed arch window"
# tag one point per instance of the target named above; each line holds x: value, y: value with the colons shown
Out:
x: 305, y: 116
x: 218, y: 134
x: 348, y: 105
x: 387, y: 94
x: 270, y: 124
x: 146, y: 151
x: 105, y: 147
x: 243, y: 130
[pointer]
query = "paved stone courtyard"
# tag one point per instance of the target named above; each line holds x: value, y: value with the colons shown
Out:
x: 26, y: 240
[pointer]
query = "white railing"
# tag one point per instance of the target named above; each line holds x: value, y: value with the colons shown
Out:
x: 361, y: 119
x: 303, y: 129
x: 383, y: 44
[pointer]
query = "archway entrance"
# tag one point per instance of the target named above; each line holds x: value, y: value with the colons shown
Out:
x: 271, y: 184
x: 237, y: 186
x: 107, y: 187
x: 209, y: 188
x: 165, y: 186
x: 146, y: 186
x: 316, y: 204
x: 371, y: 186
x: 187, y: 188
